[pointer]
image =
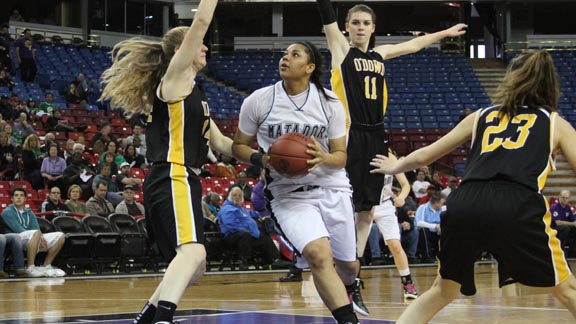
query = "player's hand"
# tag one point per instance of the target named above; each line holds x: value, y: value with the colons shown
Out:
x: 383, y: 164
x: 317, y: 152
x: 398, y: 202
x: 456, y: 30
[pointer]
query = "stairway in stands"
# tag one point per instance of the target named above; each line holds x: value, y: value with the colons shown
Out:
x: 490, y: 73
x: 562, y: 178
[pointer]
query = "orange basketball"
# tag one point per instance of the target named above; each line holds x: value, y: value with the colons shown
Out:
x: 288, y: 155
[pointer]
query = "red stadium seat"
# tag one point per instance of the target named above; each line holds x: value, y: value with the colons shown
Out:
x: 23, y: 183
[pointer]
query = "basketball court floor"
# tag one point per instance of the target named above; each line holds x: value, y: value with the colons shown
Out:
x: 258, y: 298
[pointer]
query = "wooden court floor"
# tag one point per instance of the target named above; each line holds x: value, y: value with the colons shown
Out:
x: 258, y: 297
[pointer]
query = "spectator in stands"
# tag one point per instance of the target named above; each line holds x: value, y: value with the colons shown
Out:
x: 225, y: 168
x: 9, y: 131
x: 85, y: 88
x: 22, y: 129
x: 5, y: 107
x: 210, y: 218
x: 564, y: 221
x: 105, y: 176
x: 409, y: 235
x: 5, y: 40
x: 140, y: 147
x: 47, y: 107
x: 241, y: 231
x: 32, y: 158
x: 108, y: 158
x: 15, y: 242
x: 420, y: 185
x: 435, y: 181
x: 26, y: 56
x: 16, y: 16
x: 213, y: 203
x: 69, y: 149
x: 5, y: 79
x: 452, y: 183
x: 134, y: 159
x: 49, y: 139
x: 258, y: 198
x: 103, y: 135
x: 23, y: 106
x: 8, y: 162
x: 125, y: 179
x: 79, y: 173
x: 137, y: 133
x: 430, y: 191
x: 73, y: 203
x: 428, y: 221
x: 53, y: 167
x: 53, y: 203
x: 21, y: 220
x: 242, y: 184
x: 128, y: 205
x: 55, y: 122
x: 72, y: 97
x: 97, y: 204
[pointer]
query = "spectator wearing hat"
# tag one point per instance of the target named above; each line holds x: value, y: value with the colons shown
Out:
x: 420, y: 185
x: 452, y: 183
x: 128, y: 205
x: 124, y: 179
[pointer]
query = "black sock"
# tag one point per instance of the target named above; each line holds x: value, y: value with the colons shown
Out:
x: 345, y: 315
x: 146, y: 314
x: 164, y: 311
x: 406, y: 279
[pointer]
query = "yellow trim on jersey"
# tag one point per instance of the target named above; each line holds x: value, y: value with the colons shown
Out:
x: 176, y: 132
x: 551, y: 166
x: 337, y: 81
x: 475, y: 125
x: 559, y: 263
x: 182, y: 204
x: 385, y: 99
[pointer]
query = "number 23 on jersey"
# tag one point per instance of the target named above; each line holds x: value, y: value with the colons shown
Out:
x: 494, y: 135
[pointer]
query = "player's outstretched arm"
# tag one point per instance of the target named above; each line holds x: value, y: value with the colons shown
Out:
x: 418, y: 43
x: 337, y: 42
x: 428, y: 154
x: 181, y: 72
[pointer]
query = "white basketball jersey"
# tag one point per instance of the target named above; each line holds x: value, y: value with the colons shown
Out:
x: 270, y: 113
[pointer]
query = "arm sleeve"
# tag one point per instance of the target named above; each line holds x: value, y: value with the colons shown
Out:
x: 33, y: 221
x: 11, y: 222
x: 248, y: 120
x: 121, y: 208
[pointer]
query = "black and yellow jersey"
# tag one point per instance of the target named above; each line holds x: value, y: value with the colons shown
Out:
x: 360, y: 84
x: 517, y: 149
x: 179, y: 131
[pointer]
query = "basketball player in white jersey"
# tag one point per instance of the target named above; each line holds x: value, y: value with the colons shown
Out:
x: 315, y: 211
x: 387, y: 221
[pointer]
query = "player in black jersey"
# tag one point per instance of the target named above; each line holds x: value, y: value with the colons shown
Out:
x: 157, y: 79
x: 499, y: 206
x: 358, y: 78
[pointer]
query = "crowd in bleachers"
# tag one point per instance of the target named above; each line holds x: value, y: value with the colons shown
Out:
x: 54, y: 137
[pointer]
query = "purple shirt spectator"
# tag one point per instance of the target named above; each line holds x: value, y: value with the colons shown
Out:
x: 259, y: 200
x: 53, y: 167
x: 560, y: 213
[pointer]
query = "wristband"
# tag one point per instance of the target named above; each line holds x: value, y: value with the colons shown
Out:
x: 256, y: 159
x: 327, y: 13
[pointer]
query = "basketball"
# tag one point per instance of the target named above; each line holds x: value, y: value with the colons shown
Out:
x: 288, y: 155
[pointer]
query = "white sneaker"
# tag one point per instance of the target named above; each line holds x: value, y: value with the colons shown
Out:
x: 52, y: 271
x: 35, y: 272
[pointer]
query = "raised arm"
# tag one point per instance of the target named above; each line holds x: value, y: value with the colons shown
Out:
x: 219, y: 142
x: 337, y: 42
x: 418, y: 43
x: 179, y: 77
x: 428, y: 154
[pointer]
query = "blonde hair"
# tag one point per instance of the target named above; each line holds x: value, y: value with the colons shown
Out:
x: 26, y: 145
x: 138, y: 65
x: 72, y: 187
x: 530, y: 81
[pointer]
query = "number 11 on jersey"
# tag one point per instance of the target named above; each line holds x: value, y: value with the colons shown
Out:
x: 370, y: 84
